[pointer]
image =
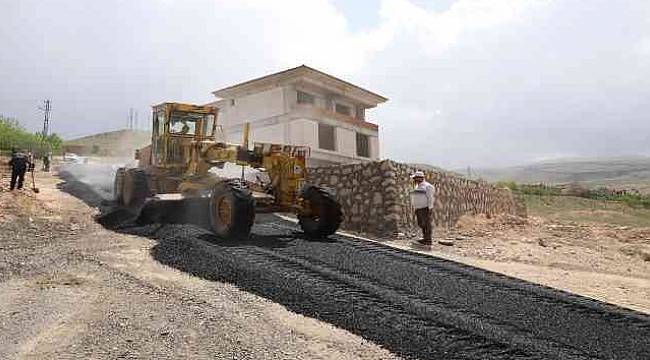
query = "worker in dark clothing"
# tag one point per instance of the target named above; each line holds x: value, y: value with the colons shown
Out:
x: 46, y: 162
x: 19, y: 163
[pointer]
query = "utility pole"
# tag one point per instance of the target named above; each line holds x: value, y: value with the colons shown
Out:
x: 46, y: 130
x: 130, y: 121
x: 46, y: 121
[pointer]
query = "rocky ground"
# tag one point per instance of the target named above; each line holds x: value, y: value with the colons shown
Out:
x: 70, y: 288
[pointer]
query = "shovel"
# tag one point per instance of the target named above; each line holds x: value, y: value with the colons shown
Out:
x: 34, y: 188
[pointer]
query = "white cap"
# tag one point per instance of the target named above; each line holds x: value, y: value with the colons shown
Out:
x: 417, y: 174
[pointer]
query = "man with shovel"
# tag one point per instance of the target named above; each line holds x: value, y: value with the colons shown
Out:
x: 19, y: 163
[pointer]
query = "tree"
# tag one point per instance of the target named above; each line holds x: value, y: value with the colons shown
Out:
x: 13, y: 135
x: 55, y: 141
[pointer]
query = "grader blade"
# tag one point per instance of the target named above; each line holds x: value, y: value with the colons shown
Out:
x: 175, y: 209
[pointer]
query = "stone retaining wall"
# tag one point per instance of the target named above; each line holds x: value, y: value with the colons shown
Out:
x: 375, y: 196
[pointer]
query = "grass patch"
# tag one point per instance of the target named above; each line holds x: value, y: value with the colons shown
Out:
x: 571, y: 208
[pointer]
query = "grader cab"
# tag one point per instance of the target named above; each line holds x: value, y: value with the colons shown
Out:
x: 187, y: 175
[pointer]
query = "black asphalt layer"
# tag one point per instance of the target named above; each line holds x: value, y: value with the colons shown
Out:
x: 414, y: 305
x: 417, y: 306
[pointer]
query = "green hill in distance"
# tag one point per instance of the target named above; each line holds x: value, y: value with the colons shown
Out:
x: 621, y: 173
x: 427, y: 167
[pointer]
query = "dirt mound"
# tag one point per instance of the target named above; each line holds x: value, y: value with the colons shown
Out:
x: 637, y: 250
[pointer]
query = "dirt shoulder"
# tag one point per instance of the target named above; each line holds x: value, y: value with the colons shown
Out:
x: 72, y: 289
x: 600, y: 260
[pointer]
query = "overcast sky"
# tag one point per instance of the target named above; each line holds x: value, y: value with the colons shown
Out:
x: 471, y: 83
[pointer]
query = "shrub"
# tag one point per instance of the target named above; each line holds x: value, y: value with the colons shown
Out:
x: 575, y: 189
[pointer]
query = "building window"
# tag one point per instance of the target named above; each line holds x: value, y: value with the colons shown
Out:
x: 305, y: 98
x: 326, y: 138
x: 232, y: 102
x: 343, y: 109
x: 363, y: 145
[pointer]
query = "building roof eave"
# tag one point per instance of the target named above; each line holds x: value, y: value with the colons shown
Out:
x: 371, y: 98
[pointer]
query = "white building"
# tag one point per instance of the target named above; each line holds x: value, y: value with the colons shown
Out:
x: 303, y: 106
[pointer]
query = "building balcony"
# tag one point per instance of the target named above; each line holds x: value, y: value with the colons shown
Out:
x: 315, y: 112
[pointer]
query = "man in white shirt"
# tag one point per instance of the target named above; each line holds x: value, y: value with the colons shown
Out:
x: 422, y: 198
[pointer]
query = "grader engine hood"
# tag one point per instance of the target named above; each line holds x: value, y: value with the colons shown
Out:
x: 269, y: 170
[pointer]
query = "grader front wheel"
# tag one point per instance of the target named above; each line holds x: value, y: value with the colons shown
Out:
x: 135, y: 188
x: 232, y: 210
x: 322, y: 214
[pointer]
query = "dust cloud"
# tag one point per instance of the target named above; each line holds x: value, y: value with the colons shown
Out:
x: 98, y: 173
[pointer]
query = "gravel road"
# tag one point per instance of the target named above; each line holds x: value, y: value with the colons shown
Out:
x: 415, y: 306
x: 72, y: 289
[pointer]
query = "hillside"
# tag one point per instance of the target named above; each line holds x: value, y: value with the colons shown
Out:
x: 427, y: 167
x: 628, y: 173
x: 113, y: 143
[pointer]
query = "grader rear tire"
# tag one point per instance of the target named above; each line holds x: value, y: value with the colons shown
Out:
x: 135, y: 188
x: 324, y: 215
x: 232, y: 210
x: 118, y: 186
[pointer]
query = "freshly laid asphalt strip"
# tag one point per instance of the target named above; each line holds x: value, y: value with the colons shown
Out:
x: 417, y: 306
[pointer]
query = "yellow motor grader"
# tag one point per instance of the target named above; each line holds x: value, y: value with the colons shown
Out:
x: 186, y: 176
